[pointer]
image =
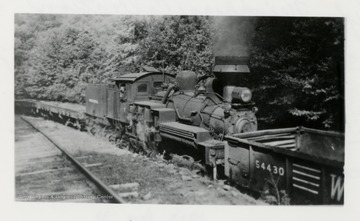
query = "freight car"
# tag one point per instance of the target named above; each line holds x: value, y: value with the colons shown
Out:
x: 306, y: 163
x: 214, y: 121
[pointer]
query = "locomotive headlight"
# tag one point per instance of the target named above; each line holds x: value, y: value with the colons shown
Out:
x: 246, y: 95
x: 242, y: 94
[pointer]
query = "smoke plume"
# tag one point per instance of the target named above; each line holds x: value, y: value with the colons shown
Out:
x: 233, y: 35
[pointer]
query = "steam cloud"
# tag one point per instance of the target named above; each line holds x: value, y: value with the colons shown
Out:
x: 233, y: 35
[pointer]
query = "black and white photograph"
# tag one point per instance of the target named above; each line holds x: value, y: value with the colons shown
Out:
x: 179, y: 109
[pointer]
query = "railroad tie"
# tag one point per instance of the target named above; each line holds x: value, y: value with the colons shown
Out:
x: 126, y: 190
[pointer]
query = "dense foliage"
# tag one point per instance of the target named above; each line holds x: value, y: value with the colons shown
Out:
x: 298, y: 67
x: 297, y: 64
x: 179, y: 43
x: 56, y: 56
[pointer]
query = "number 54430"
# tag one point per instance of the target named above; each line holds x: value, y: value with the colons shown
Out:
x: 271, y: 168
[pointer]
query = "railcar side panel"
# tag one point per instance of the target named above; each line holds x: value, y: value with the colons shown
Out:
x: 306, y: 182
x: 112, y: 102
x: 267, y: 169
x: 237, y: 164
x: 254, y: 167
x: 96, y: 100
x: 334, y: 186
x: 323, y: 143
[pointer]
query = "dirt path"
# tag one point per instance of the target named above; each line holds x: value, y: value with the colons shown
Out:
x: 158, y: 182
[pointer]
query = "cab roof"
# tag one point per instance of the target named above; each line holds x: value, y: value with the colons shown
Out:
x: 132, y: 77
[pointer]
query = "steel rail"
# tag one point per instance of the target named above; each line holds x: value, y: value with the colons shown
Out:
x: 103, y: 187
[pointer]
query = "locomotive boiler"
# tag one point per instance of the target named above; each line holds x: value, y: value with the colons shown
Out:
x: 207, y: 109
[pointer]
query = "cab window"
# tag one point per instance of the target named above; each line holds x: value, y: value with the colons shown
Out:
x: 142, y: 87
x: 157, y: 84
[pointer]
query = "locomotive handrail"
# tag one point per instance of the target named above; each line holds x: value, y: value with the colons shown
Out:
x: 164, y: 99
x: 171, y: 87
x: 189, y: 120
x: 218, y: 95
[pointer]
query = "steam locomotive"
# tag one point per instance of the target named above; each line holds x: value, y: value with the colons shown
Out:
x: 213, y: 120
x: 152, y: 107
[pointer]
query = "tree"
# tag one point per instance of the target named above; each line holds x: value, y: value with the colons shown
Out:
x: 178, y: 43
x: 27, y: 28
x: 62, y: 61
x: 298, y: 67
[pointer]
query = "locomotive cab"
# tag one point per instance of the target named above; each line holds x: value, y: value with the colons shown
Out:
x: 113, y: 102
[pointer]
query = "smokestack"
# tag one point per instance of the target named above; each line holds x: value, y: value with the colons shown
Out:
x: 232, y: 39
x: 230, y: 70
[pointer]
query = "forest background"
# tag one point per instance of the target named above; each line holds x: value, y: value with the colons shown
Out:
x: 296, y: 64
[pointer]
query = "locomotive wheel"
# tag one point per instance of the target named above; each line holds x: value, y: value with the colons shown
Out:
x: 138, y: 146
x: 133, y: 145
x: 147, y: 148
x: 209, y: 170
x: 120, y: 129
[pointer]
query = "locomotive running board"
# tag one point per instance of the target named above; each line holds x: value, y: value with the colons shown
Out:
x: 183, y: 131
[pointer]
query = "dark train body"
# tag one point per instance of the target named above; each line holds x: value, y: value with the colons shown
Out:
x: 215, y: 122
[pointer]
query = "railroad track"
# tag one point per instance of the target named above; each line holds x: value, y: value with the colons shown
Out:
x: 99, y: 184
x: 133, y: 177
